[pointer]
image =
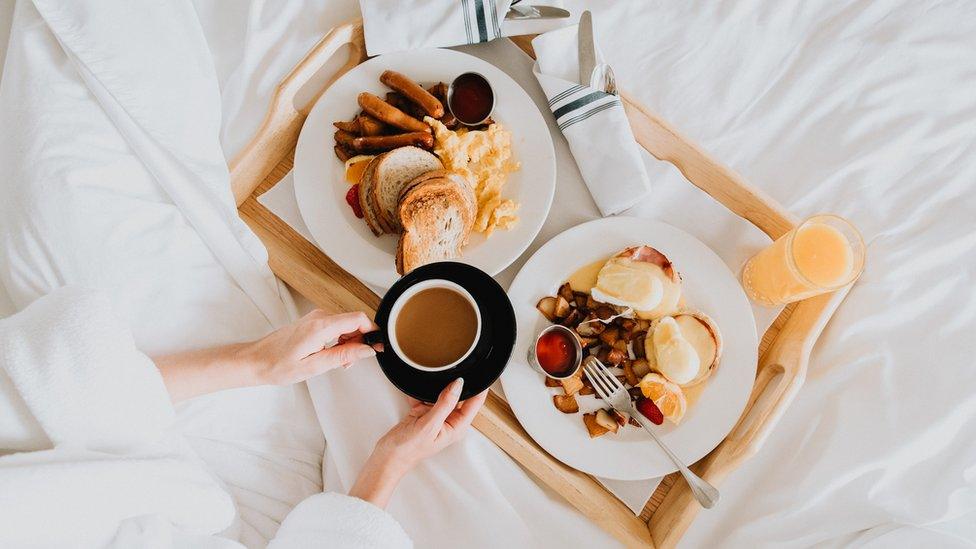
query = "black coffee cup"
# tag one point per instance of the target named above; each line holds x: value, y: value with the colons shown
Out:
x: 488, y: 355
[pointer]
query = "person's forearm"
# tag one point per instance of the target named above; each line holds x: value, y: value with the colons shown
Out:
x: 378, y: 480
x: 195, y: 373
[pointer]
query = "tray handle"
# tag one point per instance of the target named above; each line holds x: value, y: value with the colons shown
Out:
x: 781, y: 372
x: 279, y: 131
x: 722, y: 183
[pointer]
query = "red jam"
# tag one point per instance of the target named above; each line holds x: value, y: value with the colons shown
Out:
x: 556, y: 353
x: 471, y: 98
x: 352, y: 198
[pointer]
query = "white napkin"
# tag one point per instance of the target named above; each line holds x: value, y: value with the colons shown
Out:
x: 594, y: 124
x: 397, y: 25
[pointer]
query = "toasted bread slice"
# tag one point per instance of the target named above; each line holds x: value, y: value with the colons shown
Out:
x: 366, y: 183
x: 437, y: 211
x: 395, y: 169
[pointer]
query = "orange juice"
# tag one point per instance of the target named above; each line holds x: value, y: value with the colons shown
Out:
x: 820, y: 255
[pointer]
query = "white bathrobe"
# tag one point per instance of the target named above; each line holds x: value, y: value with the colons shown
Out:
x: 90, y: 457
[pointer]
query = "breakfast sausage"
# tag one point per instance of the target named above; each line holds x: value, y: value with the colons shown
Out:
x: 370, y: 126
x: 383, y: 111
x: 352, y: 127
x: 344, y: 138
x: 342, y: 153
x: 412, y: 91
x: 406, y: 106
x: 389, y: 142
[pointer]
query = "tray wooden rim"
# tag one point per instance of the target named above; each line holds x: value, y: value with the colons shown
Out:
x: 783, y: 352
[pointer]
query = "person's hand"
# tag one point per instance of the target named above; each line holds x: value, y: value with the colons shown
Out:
x: 299, y: 351
x: 428, y: 429
x: 425, y: 431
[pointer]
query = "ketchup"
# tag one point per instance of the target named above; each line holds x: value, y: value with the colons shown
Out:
x: 471, y: 98
x: 556, y: 353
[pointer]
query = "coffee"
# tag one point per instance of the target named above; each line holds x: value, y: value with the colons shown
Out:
x: 436, y: 327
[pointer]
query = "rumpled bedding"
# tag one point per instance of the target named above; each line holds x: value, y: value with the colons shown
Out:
x: 81, y: 206
x: 861, y: 108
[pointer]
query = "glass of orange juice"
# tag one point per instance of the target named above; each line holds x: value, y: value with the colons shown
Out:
x: 820, y: 255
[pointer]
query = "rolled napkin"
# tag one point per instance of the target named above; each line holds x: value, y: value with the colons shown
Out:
x: 397, y: 25
x: 593, y: 122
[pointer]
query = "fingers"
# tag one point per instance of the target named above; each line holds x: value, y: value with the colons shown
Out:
x: 330, y: 327
x: 445, y: 404
x: 461, y: 418
x: 338, y: 355
x: 358, y: 338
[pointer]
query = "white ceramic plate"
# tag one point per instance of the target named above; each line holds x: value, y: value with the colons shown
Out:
x: 708, y: 285
x: 320, y: 185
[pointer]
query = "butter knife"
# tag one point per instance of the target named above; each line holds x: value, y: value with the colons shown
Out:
x: 520, y: 12
x: 587, y: 51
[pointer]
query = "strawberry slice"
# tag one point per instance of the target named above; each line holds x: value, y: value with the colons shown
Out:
x: 648, y: 409
x: 352, y: 198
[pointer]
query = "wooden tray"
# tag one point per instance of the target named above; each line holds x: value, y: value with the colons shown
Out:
x: 783, y: 352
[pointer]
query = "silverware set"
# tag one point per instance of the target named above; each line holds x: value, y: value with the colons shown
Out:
x: 590, y: 74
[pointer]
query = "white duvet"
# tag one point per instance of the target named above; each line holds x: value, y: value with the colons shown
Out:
x: 861, y: 108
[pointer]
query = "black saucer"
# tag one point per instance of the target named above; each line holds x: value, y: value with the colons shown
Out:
x: 491, y: 353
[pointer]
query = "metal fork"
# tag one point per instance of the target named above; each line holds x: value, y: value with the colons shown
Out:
x: 613, y: 393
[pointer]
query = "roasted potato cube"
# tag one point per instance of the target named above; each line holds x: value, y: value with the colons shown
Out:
x: 626, y: 324
x: 547, y: 306
x: 572, y: 385
x: 605, y: 420
x: 566, y: 292
x: 638, y: 345
x: 587, y: 341
x: 572, y: 319
x: 590, y: 329
x: 601, y: 353
x: 616, y: 357
x: 629, y: 373
x: 561, y: 309
x: 592, y: 303
x: 552, y: 382
x: 587, y: 390
x: 640, y: 366
x: 604, y: 312
x: 610, y: 335
x: 592, y: 427
x: 565, y: 403
x: 580, y: 299
x: 620, y: 345
x: 620, y: 417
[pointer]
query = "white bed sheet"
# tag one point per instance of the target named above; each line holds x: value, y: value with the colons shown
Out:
x: 859, y: 108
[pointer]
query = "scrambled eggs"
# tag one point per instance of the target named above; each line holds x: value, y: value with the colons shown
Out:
x: 484, y: 158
